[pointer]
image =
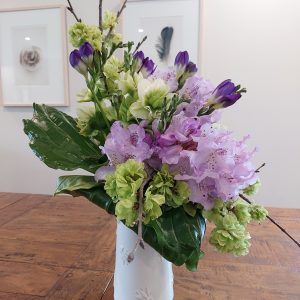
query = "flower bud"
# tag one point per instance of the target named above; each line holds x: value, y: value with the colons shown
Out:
x: 86, y: 52
x: 181, y: 61
x: 77, y: 63
x: 138, y: 60
x: 148, y: 67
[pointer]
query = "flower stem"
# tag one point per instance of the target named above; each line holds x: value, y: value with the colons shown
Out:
x: 100, y: 15
x: 71, y: 10
x: 140, y: 240
x: 274, y: 222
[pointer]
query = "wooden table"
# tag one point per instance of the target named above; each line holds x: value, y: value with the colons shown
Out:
x: 63, y: 248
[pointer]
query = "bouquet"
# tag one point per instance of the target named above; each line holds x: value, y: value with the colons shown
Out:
x: 159, y: 158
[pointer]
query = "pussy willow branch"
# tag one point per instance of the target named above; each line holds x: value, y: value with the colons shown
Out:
x: 100, y: 14
x: 258, y: 169
x: 140, y: 220
x: 274, y: 222
x: 71, y: 10
x: 118, y: 16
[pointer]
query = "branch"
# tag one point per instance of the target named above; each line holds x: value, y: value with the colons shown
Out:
x: 140, y: 220
x: 274, y: 222
x: 118, y: 16
x: 100, y: 14
x: 140, y: 44
x: 71, y: 10
x: 258, y: 169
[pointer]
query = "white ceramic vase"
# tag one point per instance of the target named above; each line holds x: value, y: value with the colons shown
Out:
x: 148, y: 277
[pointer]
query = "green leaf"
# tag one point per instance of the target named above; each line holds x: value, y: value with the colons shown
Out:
x: 87, y: 187
x: 55, y: 140
x: 124, y: 112
x: 177, y: 237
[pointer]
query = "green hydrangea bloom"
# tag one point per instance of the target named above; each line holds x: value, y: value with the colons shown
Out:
x: 112, y: 68
x: 125, y: 210
x: 152, y: 205
x: 152, y: 97
x: 258, y: 212
x: 115, y: 39
x: 241, y: 210
x: 176, y: 193
x: 234, y: 241
x: 80, y: 33
x: 123, y: 186
x: 252, y: 189
x: 110, y: 20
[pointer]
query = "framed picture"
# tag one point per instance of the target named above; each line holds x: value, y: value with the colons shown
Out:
x: 33, y: 52
x: 170, y: 26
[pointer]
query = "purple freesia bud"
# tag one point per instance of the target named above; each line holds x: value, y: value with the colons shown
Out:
x: 191, y: 69
x: 148, y: 67
x: 225, y: 94
x: 86, y: 52
x: 181, y: 61
x: 77, y: 63
x: 138, y: 60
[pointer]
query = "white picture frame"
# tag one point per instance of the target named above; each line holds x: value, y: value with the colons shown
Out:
x: 148, y: 17
x: 33, y: 56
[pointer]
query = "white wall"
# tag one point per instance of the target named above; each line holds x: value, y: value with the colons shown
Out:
x: 253, y: 42
x: 257, y: 43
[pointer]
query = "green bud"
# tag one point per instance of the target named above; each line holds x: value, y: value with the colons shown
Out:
x: 152, y: 205
x: 125, y: 210
x: 110, y: 20
x: 252, y: 189
x: 111, y: 186
x: 241, y: 210
x: 258, y: 212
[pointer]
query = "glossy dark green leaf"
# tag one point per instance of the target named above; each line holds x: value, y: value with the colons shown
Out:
x: 87, y: 187
x: 177, y: 237
x: 55, y: 139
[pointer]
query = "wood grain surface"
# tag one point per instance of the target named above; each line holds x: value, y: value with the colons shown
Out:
x: 62, y: 248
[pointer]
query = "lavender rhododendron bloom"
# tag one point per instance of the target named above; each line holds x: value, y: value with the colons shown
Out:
x: 86, y: 52
x: 225, y: 94
x: 127, y: 143
x: 77, y: 63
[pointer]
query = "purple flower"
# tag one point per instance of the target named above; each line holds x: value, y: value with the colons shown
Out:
x: 127, y: 143
x: 86, y: 52
x: 77, y: 63
x: 191, y: 69
x: 181, y: 61
x: 148, y: 67
x: 138, y: 60
x: 225, y: 94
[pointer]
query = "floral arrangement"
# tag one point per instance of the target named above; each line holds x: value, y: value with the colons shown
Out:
x: 160, y: 159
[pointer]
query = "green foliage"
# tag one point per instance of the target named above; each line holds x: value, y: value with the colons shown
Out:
x: 55, y: 140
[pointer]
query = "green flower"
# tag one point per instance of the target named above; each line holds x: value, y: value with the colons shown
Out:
x: 241, y: 210
x: 252, y: 189
x: 125, y: 210
x: 80, y: 33
x: 128, y: 84
x: 152, y: 205
x: 110, y: 20
x: 258, y: 212
x: 152, y: 96
x: 123, y: 186
x: 112, y: 68
x: 176, y: 193
x: 85, y: 96
x: 235, y: 241
x: 115, y: 39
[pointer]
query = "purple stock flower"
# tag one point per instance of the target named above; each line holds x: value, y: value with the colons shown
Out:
x: 127, y: 143
x: 77, y: 63
x: 225, y: 94
x: 86, y: 52
x: 138, y: 60
x: 148, y: 67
